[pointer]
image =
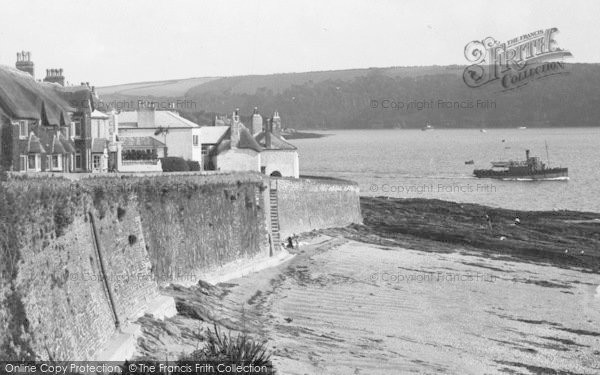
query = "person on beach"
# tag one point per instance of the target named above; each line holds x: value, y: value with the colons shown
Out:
x: 488, y: 222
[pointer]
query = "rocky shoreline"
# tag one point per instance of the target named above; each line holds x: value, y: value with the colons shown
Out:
x: 561, y: 238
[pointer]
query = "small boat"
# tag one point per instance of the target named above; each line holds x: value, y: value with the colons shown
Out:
x: 529, y: 169
x: 468, y: 162
x: 427, y: 127
x: 483, y: 130
x: 522, y: 128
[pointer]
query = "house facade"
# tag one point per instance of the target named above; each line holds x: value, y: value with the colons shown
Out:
x: 179, y: 136
x: 210, y: 137
x: 279, y: 158
x: 44, y: 126
x: 237, y: 150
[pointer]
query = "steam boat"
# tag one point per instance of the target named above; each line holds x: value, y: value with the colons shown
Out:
x: 531, y: 168
x: 427, y: 127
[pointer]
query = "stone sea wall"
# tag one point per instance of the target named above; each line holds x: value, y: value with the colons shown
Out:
x: 315, y: 203
x: 83, y: 259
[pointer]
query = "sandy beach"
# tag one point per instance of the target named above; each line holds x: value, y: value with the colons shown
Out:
x: 346, y: 307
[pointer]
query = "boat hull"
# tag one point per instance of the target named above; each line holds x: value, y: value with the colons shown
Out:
x: 547, y: 174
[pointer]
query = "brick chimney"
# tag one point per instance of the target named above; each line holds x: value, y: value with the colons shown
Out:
x: 268, y: 131
x: 146, y: 115
x: 235, y: 129
x: 24, y: 63
x: 257, y: 122
x: 55, y: 76
x: 276, y: 124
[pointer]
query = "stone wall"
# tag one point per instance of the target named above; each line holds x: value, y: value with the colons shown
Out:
x: 82, y: 258
x: 62, y: 297
x: 192, y: 231
x: 315, y: 203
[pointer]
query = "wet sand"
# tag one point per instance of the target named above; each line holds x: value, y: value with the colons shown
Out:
x: 402, y: 304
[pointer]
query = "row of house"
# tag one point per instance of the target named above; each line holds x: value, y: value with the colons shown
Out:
x: 47, y: 126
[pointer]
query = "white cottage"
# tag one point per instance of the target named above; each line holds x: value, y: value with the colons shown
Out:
x: 279, y: 158
x: 237, y: 150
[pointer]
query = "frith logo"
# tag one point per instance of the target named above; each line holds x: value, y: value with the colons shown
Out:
x: 514, y: 63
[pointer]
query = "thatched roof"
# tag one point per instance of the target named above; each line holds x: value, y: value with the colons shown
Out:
x: 22, y: 97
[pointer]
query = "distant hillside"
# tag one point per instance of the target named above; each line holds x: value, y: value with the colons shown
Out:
x: 174, y: 88
x: 344, y: 98
x: 249, y: 84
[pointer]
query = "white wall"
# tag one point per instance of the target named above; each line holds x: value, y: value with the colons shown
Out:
x: 238, y: 160
x: 197, y: 150
x: 178, y: 141
x: 140, y: 166
x: 284, y: 161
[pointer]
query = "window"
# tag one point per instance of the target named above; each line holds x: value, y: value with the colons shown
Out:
x: 33, y: 162
x: 98, y: 128
x: 22, y: 163
x: 23, y: 129
x: 195, y: 138
x: 78, y: 160
x: 56, y: 161
x: 205, y: 148
x: 97, y: 161
x: 77, y: 128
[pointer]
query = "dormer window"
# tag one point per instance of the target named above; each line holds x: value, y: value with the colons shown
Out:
x: 23, y: 129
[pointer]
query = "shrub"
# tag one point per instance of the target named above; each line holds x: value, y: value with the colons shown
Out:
x: 174, y: 164
x: 240, y: 349
x: 193, y: 165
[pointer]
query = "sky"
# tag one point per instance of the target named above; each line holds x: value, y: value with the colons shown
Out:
x: 112, y: 42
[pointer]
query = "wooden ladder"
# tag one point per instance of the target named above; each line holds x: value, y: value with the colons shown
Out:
x: 274, y: 217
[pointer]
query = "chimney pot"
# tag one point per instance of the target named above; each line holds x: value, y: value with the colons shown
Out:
x: 269, y: 127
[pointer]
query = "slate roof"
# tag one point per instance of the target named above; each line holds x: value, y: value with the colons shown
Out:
x: 165, y: 119
x: 247, y: 141
x: 98, y: 114
x: 141, y: 142
x: 57, y: 146
x: 277, y: 142
x: 212, y: 134
x: 99, y: 145
x: 67, y: 144
x: 34, y: 145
